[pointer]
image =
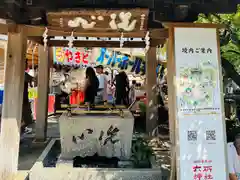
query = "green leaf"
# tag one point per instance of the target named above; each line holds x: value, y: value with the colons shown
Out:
x: 236, y: 20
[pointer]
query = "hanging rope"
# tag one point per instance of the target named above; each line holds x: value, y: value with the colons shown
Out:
x: 147, y: 42
x: 71, y: 38
x: 45, y: 40
x: 121, y: 40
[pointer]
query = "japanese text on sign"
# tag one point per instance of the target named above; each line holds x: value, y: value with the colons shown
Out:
x: 113, y: 59
x: 78, y: 57
x: 190, y: 50
x: 83, y: 57
x: 110, y: 136
x: 71, y: 56
x: 202, y: 172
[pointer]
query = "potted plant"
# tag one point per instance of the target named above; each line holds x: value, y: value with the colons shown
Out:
x: 141, y: 153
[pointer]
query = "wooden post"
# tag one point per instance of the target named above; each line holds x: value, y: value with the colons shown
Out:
x: 151, y: 79
x: 42, y: 100
x: 12, y: 103
x: 171, y: 100
x: 3, y: 52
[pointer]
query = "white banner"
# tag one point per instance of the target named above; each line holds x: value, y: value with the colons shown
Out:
x: 199, y: 110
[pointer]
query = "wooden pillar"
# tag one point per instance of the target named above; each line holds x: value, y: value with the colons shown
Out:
x: 151, y: 79
x: 43, y: 89
x: 171, y: 100
x: 12, y: 103
x: 3, y: 52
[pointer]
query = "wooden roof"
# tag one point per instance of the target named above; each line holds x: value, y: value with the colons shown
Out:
x: 35, y: 11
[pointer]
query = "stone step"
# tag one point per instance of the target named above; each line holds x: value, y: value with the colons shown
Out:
x: 22, y: 175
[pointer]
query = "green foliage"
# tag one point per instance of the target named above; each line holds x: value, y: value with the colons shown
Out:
x: 141, y: 153
x: 229, y: 36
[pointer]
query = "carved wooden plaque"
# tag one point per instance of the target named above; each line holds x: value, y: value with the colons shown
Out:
x: 127, y: 20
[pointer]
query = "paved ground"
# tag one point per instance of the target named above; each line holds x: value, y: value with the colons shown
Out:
x: 29, y: 153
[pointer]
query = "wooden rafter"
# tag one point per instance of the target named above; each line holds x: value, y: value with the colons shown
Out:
x: 4, y: 28
x: 193, y: 25
x: 37, y: 31
x: 130, y: 44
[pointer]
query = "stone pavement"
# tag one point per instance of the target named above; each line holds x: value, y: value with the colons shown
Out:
x: 29, y: 154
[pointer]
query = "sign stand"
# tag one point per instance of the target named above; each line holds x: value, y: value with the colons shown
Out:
x: 196, y: 108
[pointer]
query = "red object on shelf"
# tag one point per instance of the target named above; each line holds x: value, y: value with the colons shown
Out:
x: 73, y: 97
x: 142, y: 98
x: 77, y: 97
x: 51, y: 103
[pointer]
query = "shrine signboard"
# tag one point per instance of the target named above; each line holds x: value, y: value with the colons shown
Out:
x: 128, y: 20
x: 199, y: 117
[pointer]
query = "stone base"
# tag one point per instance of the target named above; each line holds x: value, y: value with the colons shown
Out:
x: 64, y: 163
x: 22, y: 175
x: 95, y: 174
x: 64, y: 170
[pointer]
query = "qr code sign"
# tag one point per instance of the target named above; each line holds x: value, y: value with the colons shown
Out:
x: 211, y: 135
x: 192, y: 135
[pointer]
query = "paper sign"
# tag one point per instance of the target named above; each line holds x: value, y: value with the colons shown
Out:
x: 199, y: 110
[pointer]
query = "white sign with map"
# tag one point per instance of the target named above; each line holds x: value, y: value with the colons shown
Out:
x: 200, y: 133
x: 197, y: 74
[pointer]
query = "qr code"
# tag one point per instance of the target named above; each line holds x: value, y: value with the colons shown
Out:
x: 211, y: 135
x: 192, y: 135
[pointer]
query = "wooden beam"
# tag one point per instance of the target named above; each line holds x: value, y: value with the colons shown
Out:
x: 112, y: 44
x: 12, y: 103
x: 38, y: 31
x: 193, y: 25
x: 4, y: 28
x: 151, y: 77
x: 159, y: 33
x: 9, y: 27
x: 42, y: 100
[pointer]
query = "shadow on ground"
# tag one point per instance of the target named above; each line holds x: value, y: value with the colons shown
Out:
x: 29, y: 152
